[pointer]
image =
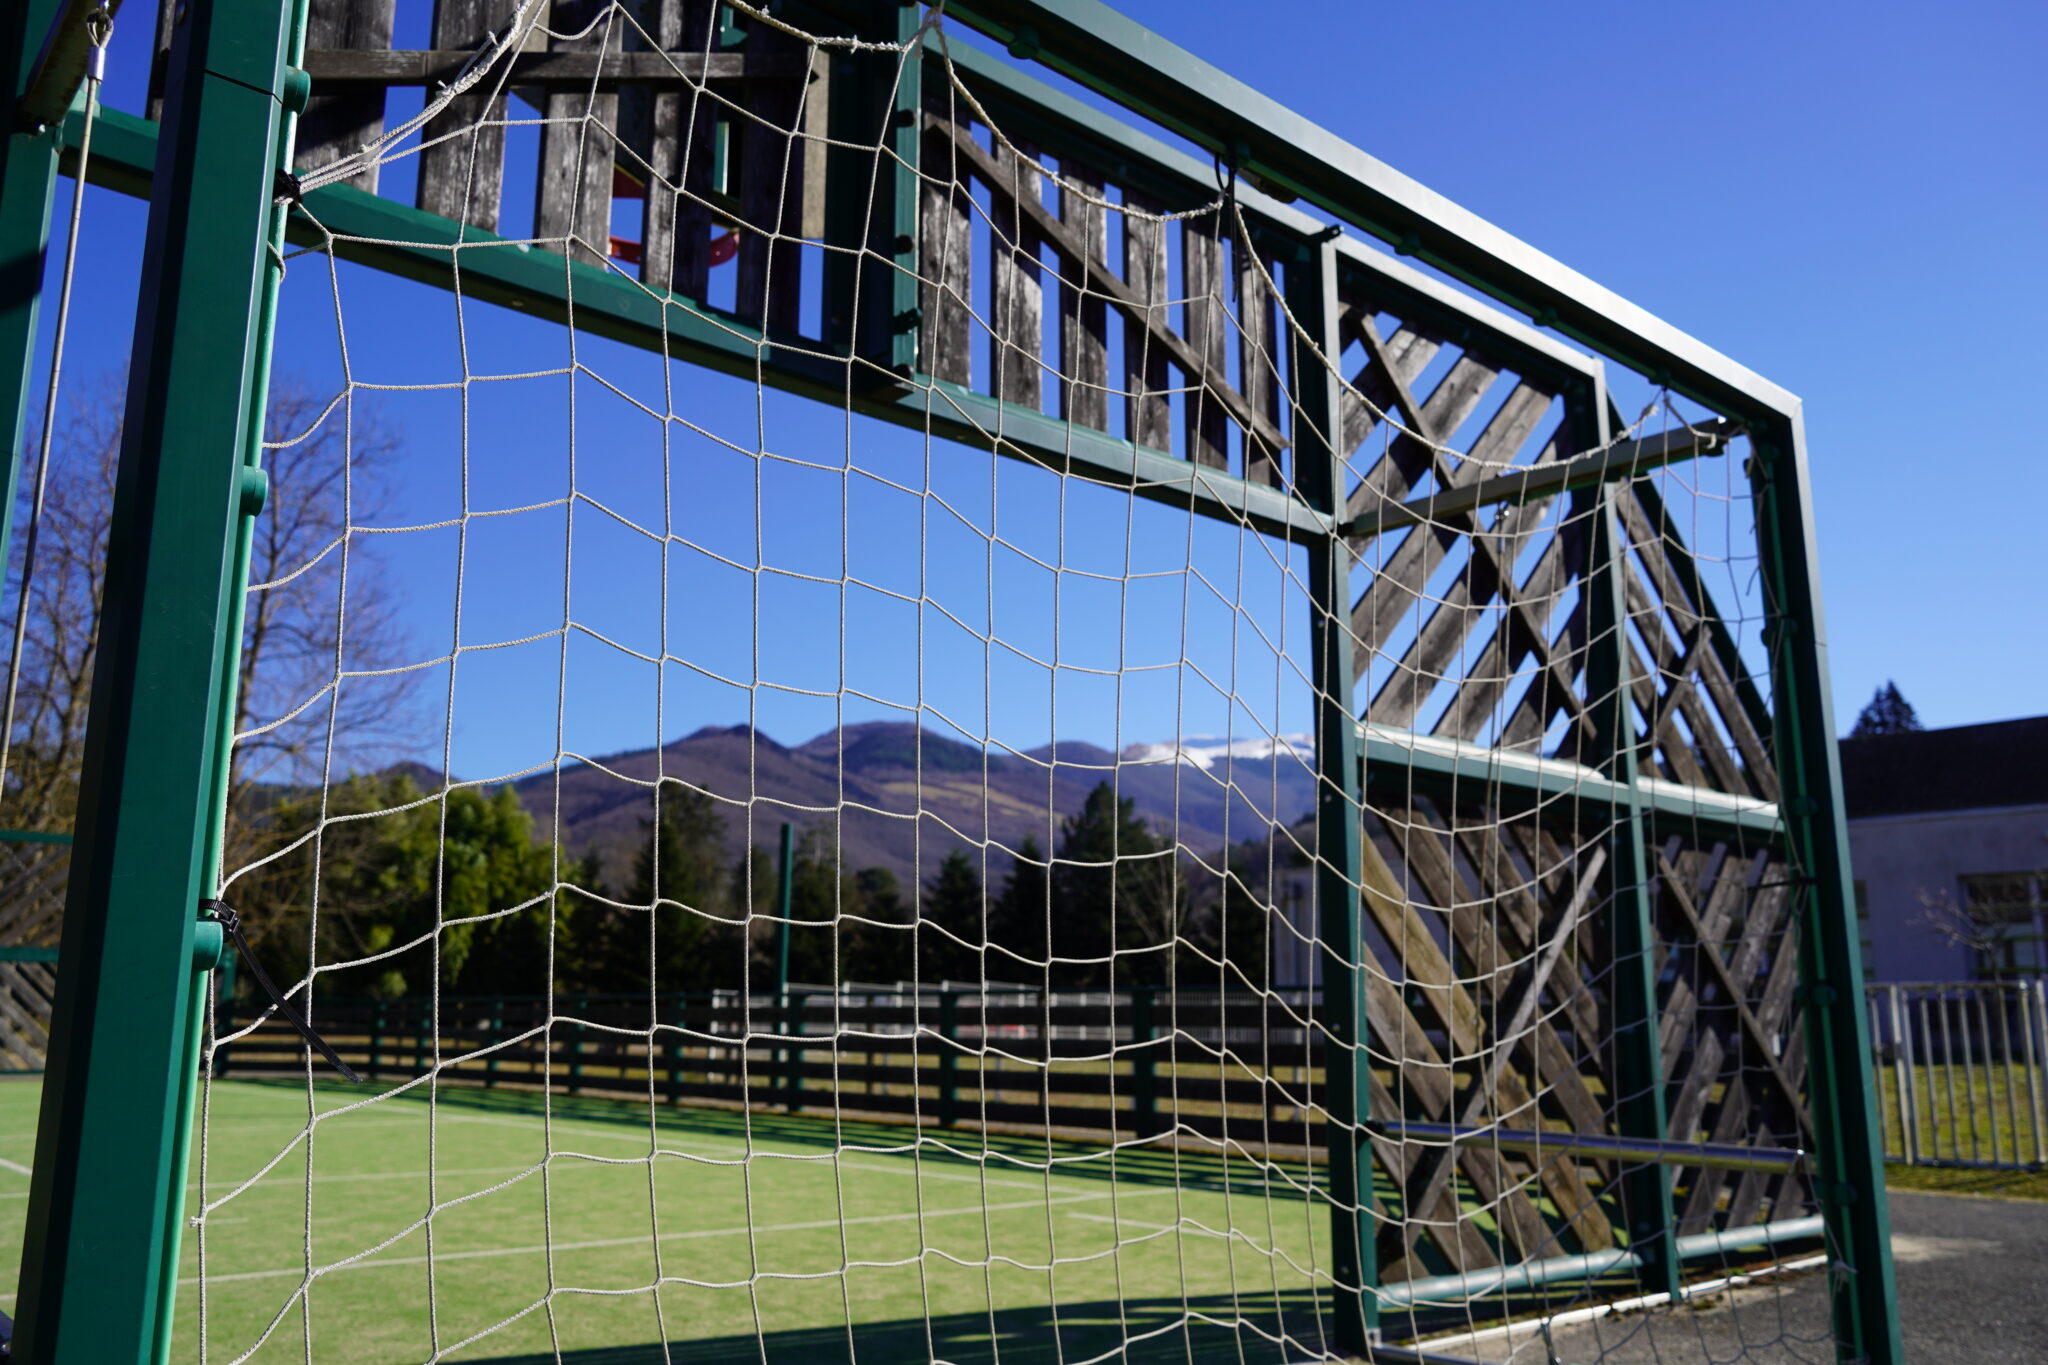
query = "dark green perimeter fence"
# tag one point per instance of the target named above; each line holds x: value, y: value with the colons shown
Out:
x: 1730, y: 990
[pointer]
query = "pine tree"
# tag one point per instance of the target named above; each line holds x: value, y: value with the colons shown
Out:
x: 952, y: 909
x: 1021, y: 918
x: 679, y: 878
x: 1888, y: 713
x: 1116, y: 885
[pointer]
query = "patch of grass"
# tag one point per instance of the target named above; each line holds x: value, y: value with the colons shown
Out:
x: 1985, y: 1184
x: 487, y: 1225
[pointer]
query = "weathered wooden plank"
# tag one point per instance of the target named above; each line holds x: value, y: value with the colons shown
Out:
x: 1203, y: 293
x: 1084, y: 311
x: 573, y: 197
x: 771, y: 158
x: 944, y: 263
x: 1018, y: 292
x: 1148, y: 410
x: 1152, y: 317
x: 1257, y: 364
x: 462, y: 157
x: 673, y: 132
x: 339, y: 125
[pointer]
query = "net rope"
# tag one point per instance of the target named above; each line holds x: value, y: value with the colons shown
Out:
x: 1103, y: 1125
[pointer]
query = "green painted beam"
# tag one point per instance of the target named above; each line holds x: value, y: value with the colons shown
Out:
x: 1635, y: 967
x: 1317, y: 394
x: 106, y: 1201
x: 1064, y: 125
x: 1092, y: 44
x: 15, y: 952
x: 1850, y: 1183
x: 420, y: 246
x: 28, y: 180
x: 34, y: 836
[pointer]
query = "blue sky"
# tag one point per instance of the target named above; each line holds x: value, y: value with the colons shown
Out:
x: 1848, y: 200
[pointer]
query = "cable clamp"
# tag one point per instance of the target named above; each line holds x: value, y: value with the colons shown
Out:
x: 223, y: 914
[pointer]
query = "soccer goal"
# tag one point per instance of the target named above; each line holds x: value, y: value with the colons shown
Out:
x: 841, y: 680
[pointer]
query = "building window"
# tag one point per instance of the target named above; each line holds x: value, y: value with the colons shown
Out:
x: 2009, y: 913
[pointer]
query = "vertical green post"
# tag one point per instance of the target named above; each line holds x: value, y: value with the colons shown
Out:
x: 1144, y: 1064
x: 422, y: 1034
x: 785, y: 904
x: 492, y: 1038
x: 578, y: 1029
x: 675, y: 1051
x: 1850, y: 1177
x: 1320, y: 474
x: 28, y: 182
x: 1638, y: 1057
x: 949, y: 1058
x: 106, y: 1203
x: 906, y: 139
x: 376, y: 1039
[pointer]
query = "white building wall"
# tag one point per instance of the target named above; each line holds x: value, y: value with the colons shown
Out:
x: 1901, y: 859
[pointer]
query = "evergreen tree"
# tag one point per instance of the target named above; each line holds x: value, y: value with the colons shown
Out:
x: 1020, y: 921
x: 952, y: 910
x: 876, y: 944
x: 1116, y: 884
x: 679, y: 879
x: 1888, y: 713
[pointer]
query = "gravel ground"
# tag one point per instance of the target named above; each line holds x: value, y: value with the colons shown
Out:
x: 1973, y: 1290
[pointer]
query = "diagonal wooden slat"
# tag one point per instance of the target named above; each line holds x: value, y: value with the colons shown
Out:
x: 1518, y: 1002
x: 1499, y: 1090
x: 1677, y: 582
x: 1675, y: 662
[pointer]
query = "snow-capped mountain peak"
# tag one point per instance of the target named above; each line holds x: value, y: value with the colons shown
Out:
x: 1206, y: 752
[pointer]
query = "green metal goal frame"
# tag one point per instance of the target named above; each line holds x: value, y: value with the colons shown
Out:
x: 106, y: 1205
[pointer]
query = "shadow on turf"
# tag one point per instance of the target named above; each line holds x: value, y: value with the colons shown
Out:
x: 1149, y: 1331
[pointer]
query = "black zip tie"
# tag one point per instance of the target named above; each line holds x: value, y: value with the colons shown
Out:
x: 223, y: 914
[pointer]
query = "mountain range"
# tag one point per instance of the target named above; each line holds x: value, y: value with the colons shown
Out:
x: 904, y: 797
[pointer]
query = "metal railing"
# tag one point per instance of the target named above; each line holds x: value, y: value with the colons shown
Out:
x: 1962, y: 1072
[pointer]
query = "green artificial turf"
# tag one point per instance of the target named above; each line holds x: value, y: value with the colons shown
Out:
x: 600, y: 1227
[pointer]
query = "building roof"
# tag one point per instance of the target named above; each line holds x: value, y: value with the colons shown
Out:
x: 1965, y: 767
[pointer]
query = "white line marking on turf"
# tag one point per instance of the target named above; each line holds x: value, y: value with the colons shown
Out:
x: 370, y: 1263
x: 15, y: 1166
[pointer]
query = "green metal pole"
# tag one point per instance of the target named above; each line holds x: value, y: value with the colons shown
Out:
x: 785, y: 903
x: 1850, y: 1180
x: 907, y: 136
x: 1638, y: 1058
x: 28, y: 181
x: 1319, y: 471
x: 376, y: 1040
x: 107, y: 1197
